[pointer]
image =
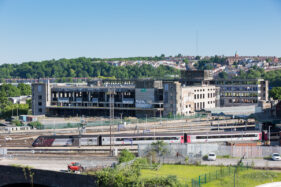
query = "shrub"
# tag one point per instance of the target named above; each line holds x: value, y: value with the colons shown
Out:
x: 151, y: 156
x: 224, y: 156
x: 205, y: 157
x: 36, y: 124
x: 186, y: 160
x: 17, y: 122
x: 140, y: 163
x: 170, y: 180
x: 117, y: 177
x: 125, y: 156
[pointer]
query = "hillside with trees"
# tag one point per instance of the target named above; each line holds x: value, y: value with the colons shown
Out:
x: 84, y: 67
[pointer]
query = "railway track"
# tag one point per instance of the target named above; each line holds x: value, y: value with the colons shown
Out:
x: 68, y: 150
x: 19, y: 139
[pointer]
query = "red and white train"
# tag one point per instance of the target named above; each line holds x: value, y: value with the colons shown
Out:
x: 135, y: 139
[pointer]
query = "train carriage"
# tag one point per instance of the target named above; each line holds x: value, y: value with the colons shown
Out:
x: 135, y: 139
x: 126, y: 139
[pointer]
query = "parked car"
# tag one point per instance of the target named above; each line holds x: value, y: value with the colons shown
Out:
x: 276, y: 156
x: 75, y: 167
x: 212, y: 157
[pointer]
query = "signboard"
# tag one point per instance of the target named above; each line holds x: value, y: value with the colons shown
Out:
x: 128, y: 101
x: 143, y: 104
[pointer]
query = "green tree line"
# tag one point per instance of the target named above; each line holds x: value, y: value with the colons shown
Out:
x: 83, y: 67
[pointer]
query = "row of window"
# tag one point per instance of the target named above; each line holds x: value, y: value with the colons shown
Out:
x: 147, y: 138
x: 227, y: 94
x: 227, y: 136
x: 202, y: 96
x: 246, y: 88
x: 203, y: 90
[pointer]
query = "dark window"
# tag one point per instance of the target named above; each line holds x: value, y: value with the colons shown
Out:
x: 40, y: 103
x: 40, y: 110
x: 39, y: 96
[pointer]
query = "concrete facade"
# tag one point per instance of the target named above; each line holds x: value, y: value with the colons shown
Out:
x: 146, y: 97
x: 242, y: 92
x: 40, y: 98
x: 180, y: 99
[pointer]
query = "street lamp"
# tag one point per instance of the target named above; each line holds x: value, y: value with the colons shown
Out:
x: 269, y: 134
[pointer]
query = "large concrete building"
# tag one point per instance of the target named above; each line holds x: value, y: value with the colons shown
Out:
x: 194, y: 91
x: 181, y: 99
x: 237, y: 92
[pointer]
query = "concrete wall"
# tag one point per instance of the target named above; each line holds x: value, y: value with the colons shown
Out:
x: 40, y: 98
x: 172, y: 98
x: 18, y: 175
x: 203, y: 149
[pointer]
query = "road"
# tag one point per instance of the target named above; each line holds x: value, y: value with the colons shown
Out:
x: 56, y: 163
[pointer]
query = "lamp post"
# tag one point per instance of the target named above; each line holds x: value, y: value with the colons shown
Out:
x: 269, y: 134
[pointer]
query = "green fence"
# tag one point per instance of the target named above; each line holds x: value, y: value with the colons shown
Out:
x: 119, y: 121
x: 218, y: 174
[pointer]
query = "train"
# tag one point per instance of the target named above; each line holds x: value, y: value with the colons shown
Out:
x: 135, y: 139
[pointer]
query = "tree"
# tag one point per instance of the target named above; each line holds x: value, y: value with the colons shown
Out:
x: 223, y: 75
x: 85, y: 67
x: 197, y: 58
x: 179, y: 55
x: 24, y: 89
x: 9, y: 90
x: 125, y: 156
x: 36, y: 124
x: 275, y: 93
x: 186, y: 61
x: 159, y: 147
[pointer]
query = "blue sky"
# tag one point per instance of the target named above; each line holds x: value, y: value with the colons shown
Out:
x: 35, y: 30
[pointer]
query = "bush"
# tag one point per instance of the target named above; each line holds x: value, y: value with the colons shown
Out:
x: 151, y: 156
x: 17, y: 122
x: 140, y: 163
x: 36, y: 124
x: 224, y: 156
x: 170, y: 180
x: 205, y: 157
x: 127, y: 176
x: 125, y: 156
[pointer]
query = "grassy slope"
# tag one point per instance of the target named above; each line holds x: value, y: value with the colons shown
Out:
x: 249, y: 178
x: 184, y: 172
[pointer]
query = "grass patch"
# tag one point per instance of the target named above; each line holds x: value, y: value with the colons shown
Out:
x: 247, y: 178
x: 21, y: 166
x: 225, y: 156
x: 184, y: 173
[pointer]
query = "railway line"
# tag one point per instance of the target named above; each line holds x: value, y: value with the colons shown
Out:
x: 25, y: 138
x: 104, y: 150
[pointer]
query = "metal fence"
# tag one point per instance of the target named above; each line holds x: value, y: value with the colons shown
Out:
x: 218, y: 174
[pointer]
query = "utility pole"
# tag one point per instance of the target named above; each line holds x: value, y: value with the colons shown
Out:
x: 145, y: 119
x: 269, y: 134
x: 111, y: 92
x: 17, y: 112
